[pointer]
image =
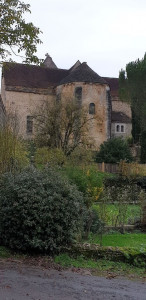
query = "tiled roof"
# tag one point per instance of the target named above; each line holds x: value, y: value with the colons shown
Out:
x: 83, y: 73
x: 32, y: 76
x: 114, y: 85
x: 120, y: 117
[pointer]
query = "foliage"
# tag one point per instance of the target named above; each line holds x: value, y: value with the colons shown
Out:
x: 39, y: 211
x: 119, y: 191
x: 111, y: 216
x: 99, y: 266
x: 119, y: 186
x: 13, y: 155
x: 81, y: 156
x: 61, y: 125
x: 143, y: 147
x: 52, y: 157
x: 114, y: 150
x: 88, y: 180
x: 15, y: 33
x: 133, y: 89
x: 97, y: 224
x: 131, y: 255
x: 4, y: 252
x: 132, y: 171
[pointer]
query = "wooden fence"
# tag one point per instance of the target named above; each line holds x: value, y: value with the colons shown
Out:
x: 124, y: 168
x: 108, y: 168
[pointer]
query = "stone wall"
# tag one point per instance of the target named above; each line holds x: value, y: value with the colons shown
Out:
x: 126, y: 133
x: 24, y: 104
x: 121, y: 106
x: 91, y: 93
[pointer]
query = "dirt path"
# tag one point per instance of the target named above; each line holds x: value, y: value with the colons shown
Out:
x: 24, y: 282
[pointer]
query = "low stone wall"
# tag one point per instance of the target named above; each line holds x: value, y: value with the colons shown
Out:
x: 94, y: 251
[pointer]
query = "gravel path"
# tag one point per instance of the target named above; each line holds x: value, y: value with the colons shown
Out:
x: 24, y: 282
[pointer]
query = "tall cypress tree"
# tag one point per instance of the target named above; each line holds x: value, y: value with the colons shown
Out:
x: 133, y: 89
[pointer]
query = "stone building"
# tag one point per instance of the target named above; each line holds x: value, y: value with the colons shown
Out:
x: 26, y: 87
x: 121, y: 112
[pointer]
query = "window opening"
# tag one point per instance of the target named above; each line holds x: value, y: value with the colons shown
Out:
x: 78, y: 94
x: 29, y: 124
x: 91, y: 108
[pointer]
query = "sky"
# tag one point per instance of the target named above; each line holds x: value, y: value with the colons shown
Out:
x: 106, y: 34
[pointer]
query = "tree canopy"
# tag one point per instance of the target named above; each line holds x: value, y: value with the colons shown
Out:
x: 16, y: 35
x: 133, y: 89
x: 114, y: 150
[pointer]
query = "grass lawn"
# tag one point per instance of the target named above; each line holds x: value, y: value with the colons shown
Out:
x: 134, y: 240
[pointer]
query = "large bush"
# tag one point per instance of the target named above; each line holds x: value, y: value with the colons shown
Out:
x: 113, y: 151
x: 39, y: 211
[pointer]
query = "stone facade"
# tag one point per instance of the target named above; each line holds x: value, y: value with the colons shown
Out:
x: 95, y: 94
x: 25, y: 88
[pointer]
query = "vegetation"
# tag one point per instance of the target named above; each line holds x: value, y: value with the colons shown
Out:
x: 13, y: 154
x: 133, y: 89
x: 15, y: 33
x: 113, y: 151
x: 98, y: 267
x: 39, y: 211
x: 4, y: 252
x: 53, y: 157
x: 62, y: 125
x: 113, y: 214
x: 88, y: 180
x: 133, y: 240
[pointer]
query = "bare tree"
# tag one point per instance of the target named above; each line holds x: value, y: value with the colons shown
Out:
x: 63, y: 125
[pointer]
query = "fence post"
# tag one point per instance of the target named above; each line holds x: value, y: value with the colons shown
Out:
x: 102, y: 167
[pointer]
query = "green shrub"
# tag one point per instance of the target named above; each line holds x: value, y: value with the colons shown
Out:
x: 53, y: 157
x: 13, y: 155
x: 81, y: 156
x: 113, y: 151
x: 39, y: 211
x: 88, y: 180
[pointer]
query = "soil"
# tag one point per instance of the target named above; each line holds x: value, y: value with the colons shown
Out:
x: 37, y: 279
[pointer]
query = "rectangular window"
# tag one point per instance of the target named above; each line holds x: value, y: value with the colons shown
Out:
x: 29, y: 125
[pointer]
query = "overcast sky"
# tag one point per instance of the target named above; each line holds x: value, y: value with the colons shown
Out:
x: 106, y: 34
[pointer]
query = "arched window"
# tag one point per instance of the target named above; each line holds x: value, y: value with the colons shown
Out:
x: 118, y: 128
x: 78, y: 94
x: 91, y: 108
x: 122, y: 128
